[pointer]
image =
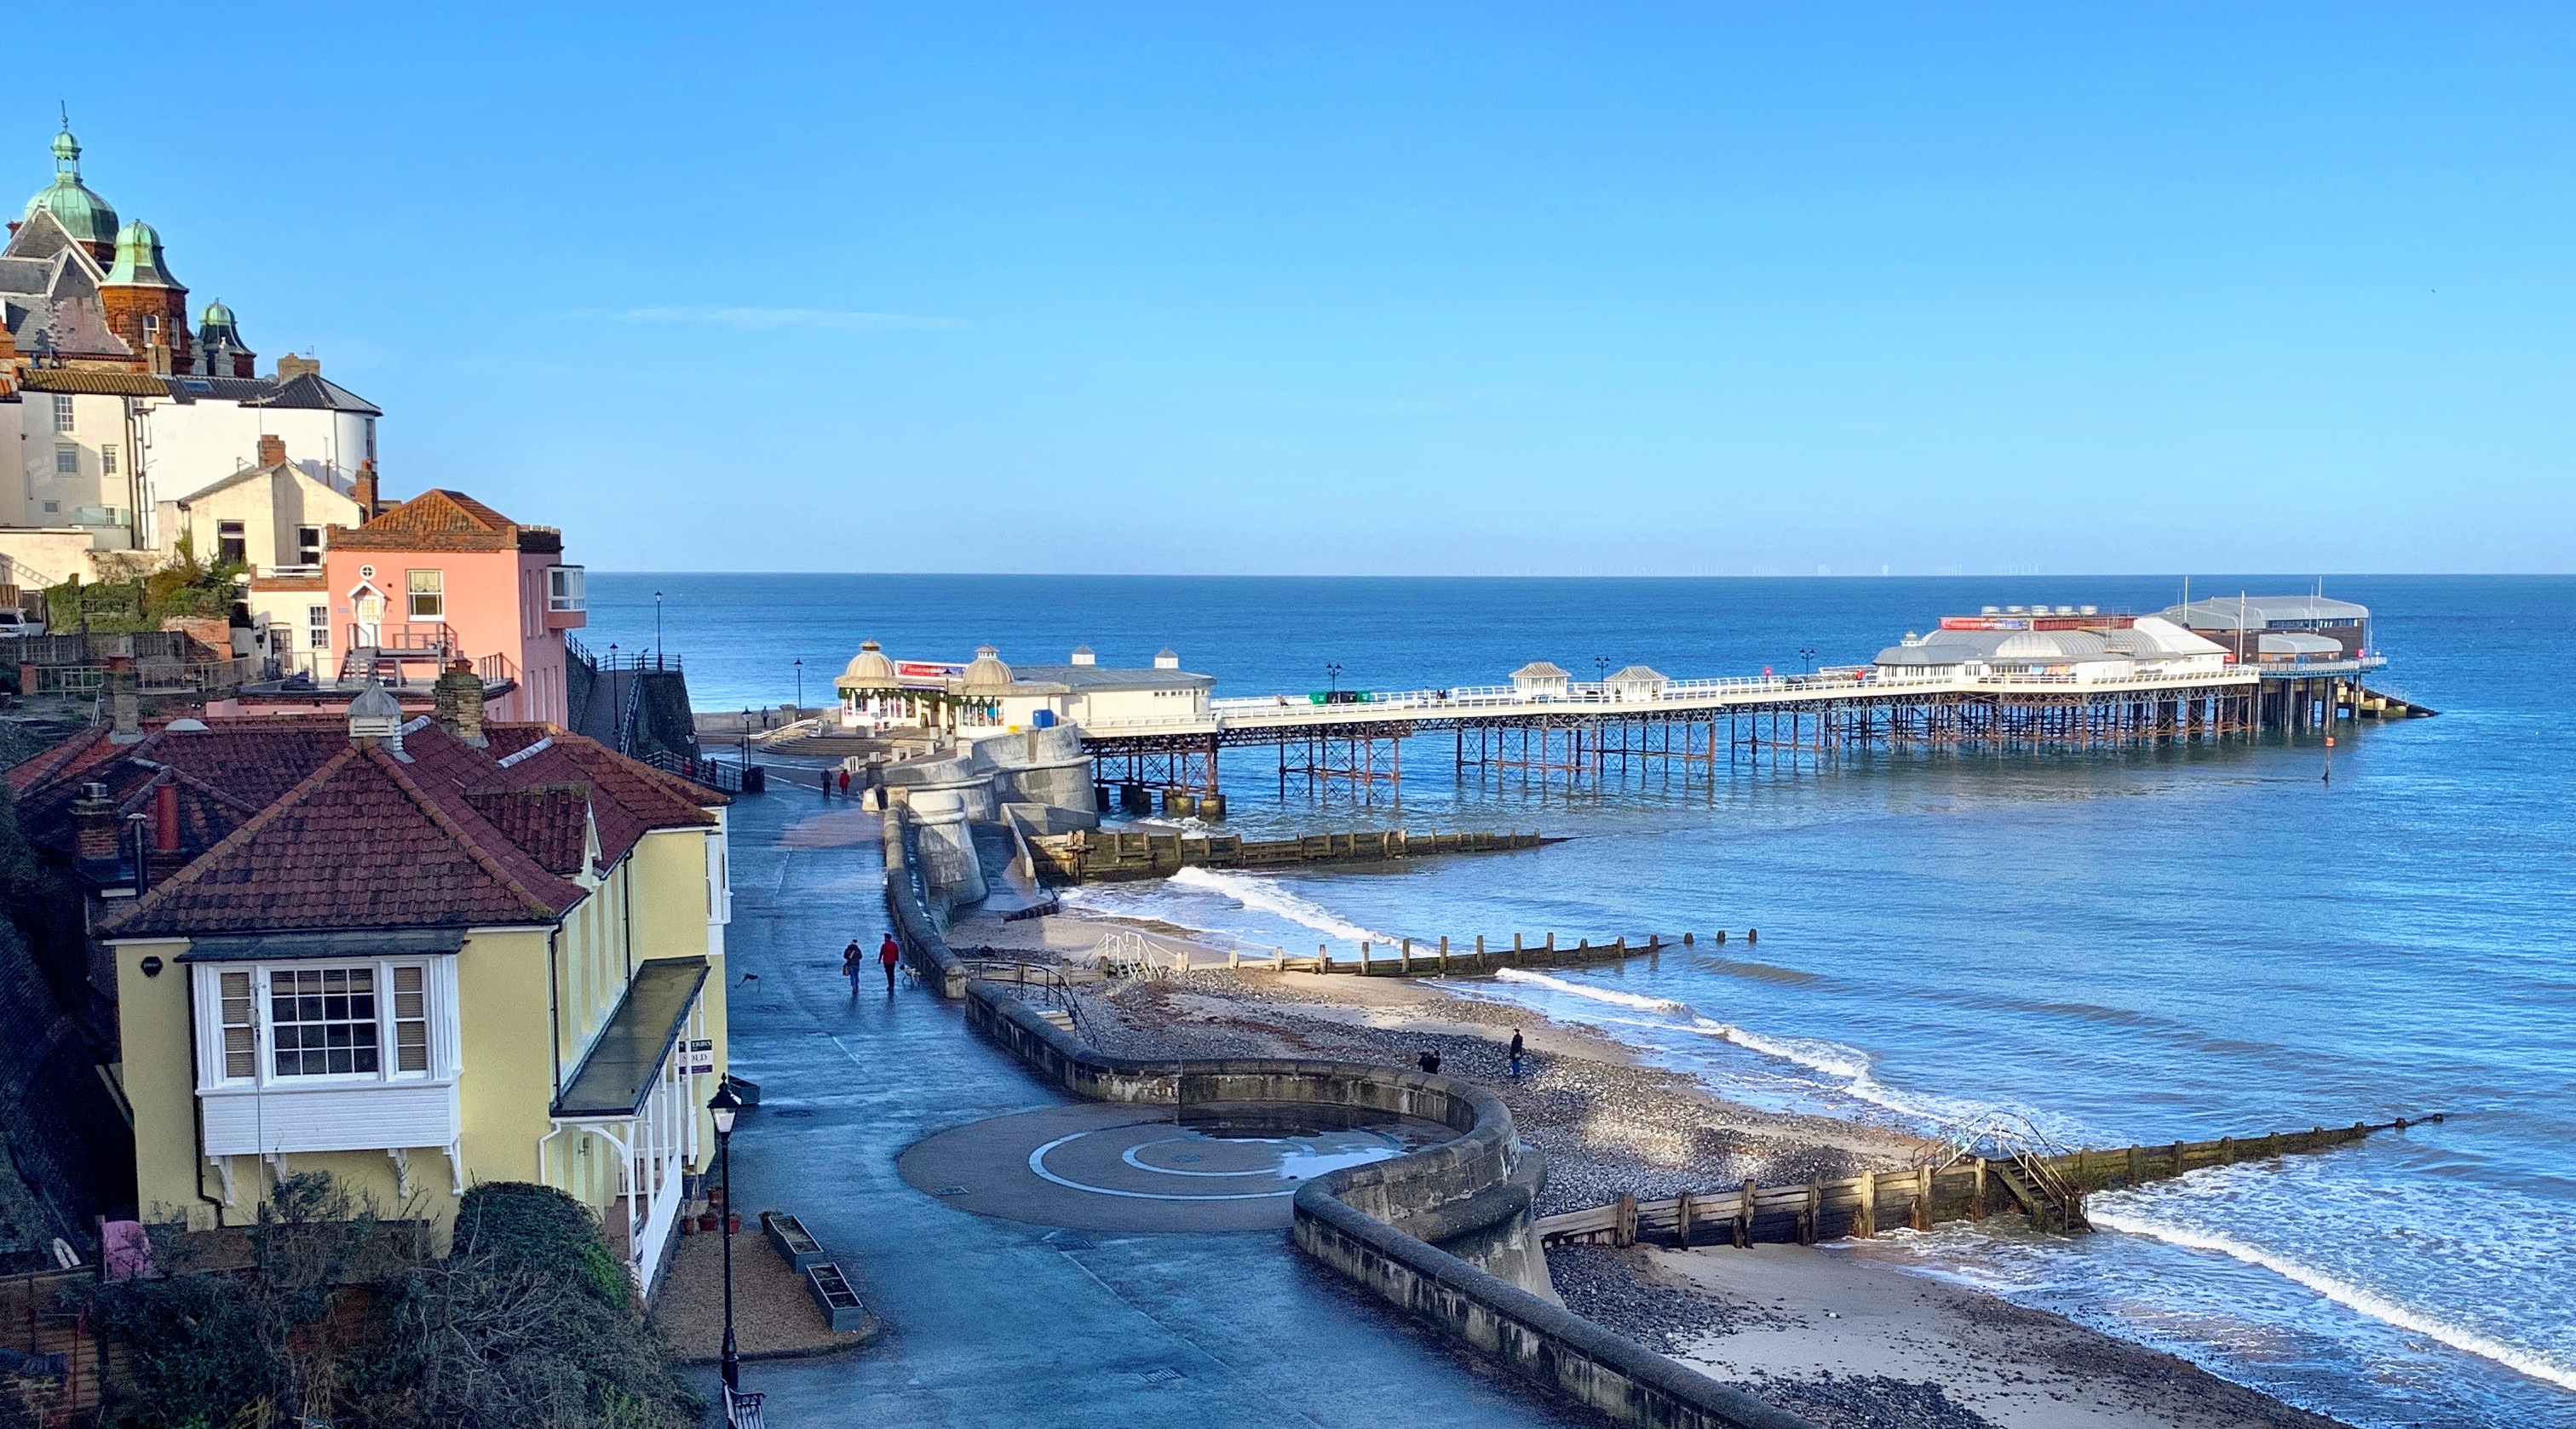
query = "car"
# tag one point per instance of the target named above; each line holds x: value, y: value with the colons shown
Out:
x: 14, y: 624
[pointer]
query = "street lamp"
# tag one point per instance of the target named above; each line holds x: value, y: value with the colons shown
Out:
x: 657, y: 630
x: 1332, y: 682
x: 746, y: 739
x: 723, y: 1106
x: 800, y: 689
x: 1807, y: 656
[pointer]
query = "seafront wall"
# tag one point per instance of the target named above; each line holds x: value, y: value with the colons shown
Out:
x: 1443, y: 1233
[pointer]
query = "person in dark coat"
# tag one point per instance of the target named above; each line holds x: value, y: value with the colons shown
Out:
x: 1516, y: 1054
x: 851, y: 964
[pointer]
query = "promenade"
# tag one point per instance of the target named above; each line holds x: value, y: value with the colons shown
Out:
x: 993, y: 1322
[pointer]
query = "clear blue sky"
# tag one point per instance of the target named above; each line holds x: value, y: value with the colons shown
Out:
x: 1399, y: 288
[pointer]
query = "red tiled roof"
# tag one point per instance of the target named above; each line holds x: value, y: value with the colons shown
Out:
x: 86, y: 748
x: 360, y: 844
x: 552, y: 822
x: 440, y: 520
x: 629, y: 800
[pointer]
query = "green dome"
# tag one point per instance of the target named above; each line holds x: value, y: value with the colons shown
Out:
x: 216, y: 325
x: 138, y: 260
x: 83, y: 214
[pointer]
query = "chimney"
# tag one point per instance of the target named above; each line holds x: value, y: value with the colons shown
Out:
x: 364, y: 490
x: 1082, y: 655
x: 165, y: 818
x: 291, y: 367
x: 124, y: 700
x: 458, y: 698
x: 272, y: 451
x: 94, y: 826
x: 1167, y: 659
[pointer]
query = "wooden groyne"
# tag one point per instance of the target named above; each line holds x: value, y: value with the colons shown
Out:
x: 2050, y: 1190
x: 1425, y: 957
x: 1105, y: 855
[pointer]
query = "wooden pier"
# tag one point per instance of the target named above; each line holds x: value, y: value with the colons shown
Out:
x: 1427, y: 957
x: 2050, y: 1190
x: 1107, y: 855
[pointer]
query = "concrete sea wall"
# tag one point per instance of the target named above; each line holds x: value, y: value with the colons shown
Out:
x: 1443, y: 1233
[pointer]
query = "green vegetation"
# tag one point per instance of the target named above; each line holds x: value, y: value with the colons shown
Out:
x: 343, y: 1318
x: 182, y: 586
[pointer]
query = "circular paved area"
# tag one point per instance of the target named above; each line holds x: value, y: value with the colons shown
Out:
x: 1227, y: 1167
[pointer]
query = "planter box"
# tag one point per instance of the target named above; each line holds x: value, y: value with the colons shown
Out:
x: 840, y: 1304
x: 788, y: 1236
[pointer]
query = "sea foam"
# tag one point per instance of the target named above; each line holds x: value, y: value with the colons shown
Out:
x: 1269, y: 896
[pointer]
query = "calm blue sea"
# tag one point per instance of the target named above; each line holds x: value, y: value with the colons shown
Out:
x: 2124, y: 947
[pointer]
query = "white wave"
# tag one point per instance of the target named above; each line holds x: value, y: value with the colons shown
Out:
x: 1267, y: 895
x: 1815, y: 1054
x: 2346, y: 1294
x: 1597, y: 994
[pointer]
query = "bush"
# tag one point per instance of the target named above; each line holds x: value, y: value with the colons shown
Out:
x: 528, y: 1322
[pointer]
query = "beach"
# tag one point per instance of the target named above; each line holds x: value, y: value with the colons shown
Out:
x: 1819, y: 1330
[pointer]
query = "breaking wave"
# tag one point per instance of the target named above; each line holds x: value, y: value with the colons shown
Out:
x: 2350, y: 1296
x: 1269, y: 896
x: 1597, y: 994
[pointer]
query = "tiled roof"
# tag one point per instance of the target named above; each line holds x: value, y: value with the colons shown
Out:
x: 631, y: 800
x: 551, y: 822
x: 360, y: 844
x: 438, y: 520
x: 285, y: 823
x: 96, y: 382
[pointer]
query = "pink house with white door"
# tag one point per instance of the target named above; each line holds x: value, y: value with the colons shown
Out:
x: 443, y: 577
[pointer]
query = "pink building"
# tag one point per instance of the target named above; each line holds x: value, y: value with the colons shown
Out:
x: 443, y: 577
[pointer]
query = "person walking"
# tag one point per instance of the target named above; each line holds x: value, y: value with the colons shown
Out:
x: 1516, y: 1054
x: 889, y: 954
x: 851, y: 964
x: 845, y: 783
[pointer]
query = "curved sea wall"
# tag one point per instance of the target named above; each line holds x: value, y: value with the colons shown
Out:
x: 1443, y: 1233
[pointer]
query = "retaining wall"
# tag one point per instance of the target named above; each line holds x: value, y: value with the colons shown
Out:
x: 1376, y: 1224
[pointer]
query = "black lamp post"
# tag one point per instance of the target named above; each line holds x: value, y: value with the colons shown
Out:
x: 800, y: 689
x: 1807, y: 657
x: 723, y: 1106
x: 657, y: 630
x: 746, y: 739
x: 1332, y: 681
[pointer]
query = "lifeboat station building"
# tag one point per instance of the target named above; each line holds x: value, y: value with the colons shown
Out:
x: 984, y: 695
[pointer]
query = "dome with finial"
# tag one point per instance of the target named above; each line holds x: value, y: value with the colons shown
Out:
x: 216, y: 326
x: 138, y: 260
x: 985, y: 674
x: 83, y: 214
x: 869, y: 670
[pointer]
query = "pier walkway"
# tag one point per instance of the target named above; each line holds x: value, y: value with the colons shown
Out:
x: 1578, y: 731
x: 994, y: 1322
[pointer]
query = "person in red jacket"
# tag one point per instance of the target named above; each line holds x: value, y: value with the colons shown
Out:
x: 889, y: 954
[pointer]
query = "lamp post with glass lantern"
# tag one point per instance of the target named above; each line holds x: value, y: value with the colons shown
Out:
x: 723, y: 1106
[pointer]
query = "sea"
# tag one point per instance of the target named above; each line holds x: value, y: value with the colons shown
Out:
x: 2124, y: 946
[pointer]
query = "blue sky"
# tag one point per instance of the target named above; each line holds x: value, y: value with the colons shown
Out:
x: 1400, y: 289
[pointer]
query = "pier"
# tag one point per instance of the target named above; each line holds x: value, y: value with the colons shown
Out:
x: 1107, y: 855
x: 1579, y: 731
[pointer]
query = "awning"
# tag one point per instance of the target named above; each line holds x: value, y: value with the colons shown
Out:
x: 285, y: 947
x: 618, y: 1074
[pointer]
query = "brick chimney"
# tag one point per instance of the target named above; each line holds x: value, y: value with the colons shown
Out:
x: 94, y: 825
x: 124, y: 700
x: 291, y: 367
x: 272, y: 451
x: 364, y: 491
x: 458, y: 699
x: 165, y: 817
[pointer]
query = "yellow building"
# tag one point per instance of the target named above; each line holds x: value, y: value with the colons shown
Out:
x: 448, y: 953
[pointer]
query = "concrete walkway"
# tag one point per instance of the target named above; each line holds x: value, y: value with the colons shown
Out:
x: 990, y: 1321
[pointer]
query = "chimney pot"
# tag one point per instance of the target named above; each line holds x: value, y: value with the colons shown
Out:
x: 165, y: 818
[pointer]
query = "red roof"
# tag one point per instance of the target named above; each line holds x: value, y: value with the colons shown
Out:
x: 286, y: 823
x: 440, y: 520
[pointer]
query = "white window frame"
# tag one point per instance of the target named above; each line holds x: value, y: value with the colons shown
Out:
x: 438, y: 989
x: 317, y: 627
x: 64, y: 410
x: 308, y: 545
x: 66, y: 459
x: 436, y: 595
x: 107, y: 460
x: 567, y: 589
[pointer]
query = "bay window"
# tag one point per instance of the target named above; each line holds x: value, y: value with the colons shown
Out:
x: 291, y: 1025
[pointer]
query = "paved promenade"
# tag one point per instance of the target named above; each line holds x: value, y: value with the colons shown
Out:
x: 995, y: 1322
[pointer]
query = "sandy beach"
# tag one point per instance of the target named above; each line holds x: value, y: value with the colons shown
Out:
x: 1849, y: 1344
